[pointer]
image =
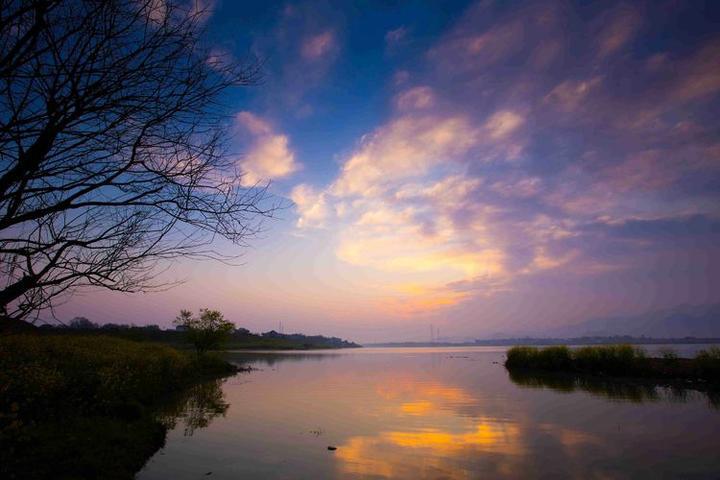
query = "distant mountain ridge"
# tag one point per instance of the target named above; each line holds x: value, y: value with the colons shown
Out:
x: 677, y: 322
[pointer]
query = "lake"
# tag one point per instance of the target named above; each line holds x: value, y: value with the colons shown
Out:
x: 433, y: 413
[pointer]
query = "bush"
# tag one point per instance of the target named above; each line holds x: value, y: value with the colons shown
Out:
x: 708, y: 362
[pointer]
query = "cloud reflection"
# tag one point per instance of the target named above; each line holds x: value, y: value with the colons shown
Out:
x: 447, y: 433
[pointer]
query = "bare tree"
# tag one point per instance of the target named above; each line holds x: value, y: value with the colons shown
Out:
x: 112, y: 150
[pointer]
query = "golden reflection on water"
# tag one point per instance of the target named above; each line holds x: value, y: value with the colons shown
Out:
x: 442, y: 440
x: 429, y: 452
x: 489, y: 436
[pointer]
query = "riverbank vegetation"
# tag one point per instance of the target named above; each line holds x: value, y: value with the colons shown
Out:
x: 619, y: 361
x: 89, y: 406
x: 237, y: 339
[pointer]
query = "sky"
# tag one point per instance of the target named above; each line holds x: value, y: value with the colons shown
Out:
x: 487, y: 168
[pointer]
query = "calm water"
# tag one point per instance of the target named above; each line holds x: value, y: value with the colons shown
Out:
x: 450, y: 413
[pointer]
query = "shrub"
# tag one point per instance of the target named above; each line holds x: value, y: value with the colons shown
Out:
x: 708, y: 363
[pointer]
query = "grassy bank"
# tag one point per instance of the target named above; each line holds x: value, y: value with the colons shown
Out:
x: 86, y: 406
x: 617, y: 360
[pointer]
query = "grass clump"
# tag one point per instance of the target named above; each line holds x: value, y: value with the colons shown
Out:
x: 609, y: 359
x: 708, y: 362
x: 619, y: 361
x: 96, y: 396
x: 605, y: 359
x: 550, y: 358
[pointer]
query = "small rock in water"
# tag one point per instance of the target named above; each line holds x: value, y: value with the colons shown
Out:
x: 208, y: 473
x: 332, y: 448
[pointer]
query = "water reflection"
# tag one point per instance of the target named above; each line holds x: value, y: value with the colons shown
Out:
x: 434, y: 415
x: 197, y: 407
x: 613, y: 389
x: 272, y: 358
x: 437, y: 429
x: 443, y: 434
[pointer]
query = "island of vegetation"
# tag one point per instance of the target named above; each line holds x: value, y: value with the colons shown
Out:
x: 619, y: 361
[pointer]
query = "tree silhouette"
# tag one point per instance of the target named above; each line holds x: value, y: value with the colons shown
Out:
x: 206, y: 331
x: 112, y: 148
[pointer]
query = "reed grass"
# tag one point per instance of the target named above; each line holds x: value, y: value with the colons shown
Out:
x: 616, y: 360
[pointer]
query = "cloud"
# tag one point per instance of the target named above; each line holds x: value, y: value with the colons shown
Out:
x: 569, y: 94
x: 699, y: 75
x: 465, y: 49
x: 318, y: 46
x: 300, y: 50
x: 269, y: 156
x: 220, y: 59
x: 155, y: 10
x: 503, y: 123
x: 497, y: 158
x: 393, y: 37
x: 694, y: 227
x: 406, y: 147
x: 619, y: 27
x: 415, y: 98
x: 400, y: 77
x: 523, y: 187
x: 311, y: 206
x: 452, y: 190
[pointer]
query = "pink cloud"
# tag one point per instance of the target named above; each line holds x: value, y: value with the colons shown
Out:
x: 318, y: 46
x: 415, y: 98
x: 269, y: 156
x: 619, y: 27
x: 394, y: 38
x: 570, y: 94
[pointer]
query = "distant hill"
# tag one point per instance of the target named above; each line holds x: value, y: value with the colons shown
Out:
x: 681, y: 321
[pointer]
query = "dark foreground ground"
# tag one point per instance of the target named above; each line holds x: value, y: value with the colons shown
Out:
x: 76, y: 406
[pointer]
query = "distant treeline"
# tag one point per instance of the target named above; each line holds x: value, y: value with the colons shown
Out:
x: 598, y: 340
x: 502, y: 342
x: 240, y: 338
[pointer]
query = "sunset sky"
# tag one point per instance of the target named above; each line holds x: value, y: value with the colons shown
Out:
x: 485, y: 167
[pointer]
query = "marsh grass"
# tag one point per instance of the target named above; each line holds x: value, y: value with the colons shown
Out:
x: 708, y: 362
x: 86, y: 406
x: 616, y: 360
